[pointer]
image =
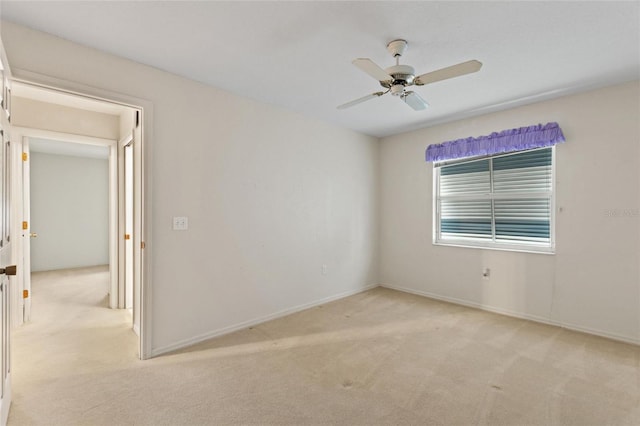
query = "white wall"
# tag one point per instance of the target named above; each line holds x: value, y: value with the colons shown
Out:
x: 592, y: 282
x: 69, y: 211
x: 63, y: 119
x: 270, y: 195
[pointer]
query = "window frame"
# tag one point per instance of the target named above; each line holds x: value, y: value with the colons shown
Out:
x: 492, y: 244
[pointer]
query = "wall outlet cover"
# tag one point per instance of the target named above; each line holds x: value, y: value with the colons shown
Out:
x: 180, y: 223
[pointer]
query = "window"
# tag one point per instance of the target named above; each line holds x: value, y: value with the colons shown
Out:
x: 501, y: 202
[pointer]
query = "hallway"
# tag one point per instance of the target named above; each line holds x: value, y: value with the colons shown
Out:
x: 72, y: 334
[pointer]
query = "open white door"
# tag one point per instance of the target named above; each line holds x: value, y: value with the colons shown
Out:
x: 6, y: 256
x: 6, y: 281
x: 129, y: 295
x: 130, y: 245
x: 26, y: 234
x: 128, y: 224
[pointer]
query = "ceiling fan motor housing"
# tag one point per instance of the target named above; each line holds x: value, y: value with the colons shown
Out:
x: 402, y: 75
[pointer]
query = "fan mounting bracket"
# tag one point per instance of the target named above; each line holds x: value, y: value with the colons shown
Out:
x: 397, y: 47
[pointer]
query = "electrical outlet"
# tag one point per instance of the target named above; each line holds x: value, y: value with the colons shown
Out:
x: 180, y: 223
x: 324, y: 269
x: 486, y: 273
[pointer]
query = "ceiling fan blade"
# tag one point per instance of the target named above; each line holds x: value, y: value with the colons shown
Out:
x: 360, y: 100
x: 414, y: 101
x: 371, y: 68
x: 448, y: 72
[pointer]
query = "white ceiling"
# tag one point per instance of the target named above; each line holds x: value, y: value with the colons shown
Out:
x: 298, y: 54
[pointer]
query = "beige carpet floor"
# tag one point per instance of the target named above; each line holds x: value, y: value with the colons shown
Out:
x: 376, y: 358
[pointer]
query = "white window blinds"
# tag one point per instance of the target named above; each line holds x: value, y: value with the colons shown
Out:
x: 501, y: 200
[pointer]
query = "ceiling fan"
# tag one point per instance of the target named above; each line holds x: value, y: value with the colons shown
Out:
x: 397, y: 78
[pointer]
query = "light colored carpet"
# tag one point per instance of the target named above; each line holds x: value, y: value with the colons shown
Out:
x: 376, y: 358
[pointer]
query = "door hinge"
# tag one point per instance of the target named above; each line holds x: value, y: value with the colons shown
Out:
x: 25, y: 225
x: 142, y: 245
x: 25, y: 294
x: 25, y: 156
x: 127, y: 236
x: 137, y: 119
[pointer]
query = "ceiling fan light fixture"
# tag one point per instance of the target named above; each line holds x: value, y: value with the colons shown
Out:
x: 397, y: 89
x: 414, y: 101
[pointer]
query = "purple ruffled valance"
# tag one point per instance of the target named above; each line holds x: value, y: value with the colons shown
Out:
x: 510, y: 140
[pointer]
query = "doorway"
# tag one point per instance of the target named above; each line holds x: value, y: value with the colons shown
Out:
x: 110, y: 126
x: 67, y: 215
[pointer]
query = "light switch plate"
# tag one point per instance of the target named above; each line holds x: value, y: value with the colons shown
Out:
x: 180, y: 223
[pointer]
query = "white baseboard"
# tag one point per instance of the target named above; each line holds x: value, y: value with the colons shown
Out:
x: 521, y: 315
x: 136, y: 329
x: 608, y: 335
x: 230, y: 329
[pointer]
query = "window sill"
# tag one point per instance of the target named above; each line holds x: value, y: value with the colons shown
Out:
x: 498, y: 247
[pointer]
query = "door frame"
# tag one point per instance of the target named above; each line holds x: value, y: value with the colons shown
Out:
x: 6, y: 252
x: 142, y: 155
x: 122, y: 213
x: 20, y: 136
